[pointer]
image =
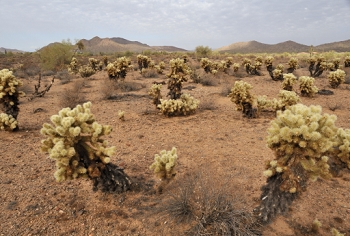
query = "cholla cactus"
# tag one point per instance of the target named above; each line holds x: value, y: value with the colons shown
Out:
x: 307, y: 87
x: 94, y: 63
x: 206, y: 64
x: 178, y: 72
x: 288, y: 81
x: 160, y: 67
x: 268, y: 61
x: 244, y: 100
x: 74, y: 141
x: 301, y: 137
x: 293, y: 65
x: 335, y: 78
x: 119, y: 68
x: 86, y: 71
x: 155, y: 93
x: 342, y: 152
x: 144, y: 62
x: 347, y: 61
x: 121, y: 115
x: 184, y: 106
x: 286, y: 99
x: 9, y: 97
x: 73, y: 66
x: 277, y: 74
x: 235, y: 67
x: 164, y: 164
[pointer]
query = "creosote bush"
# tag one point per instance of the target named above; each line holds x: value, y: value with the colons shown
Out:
x: 74, y: 140
x: 301, y: 137
x: 336, y: 78
x: 9, y: 98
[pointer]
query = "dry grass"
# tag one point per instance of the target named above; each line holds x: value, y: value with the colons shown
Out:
x: 74, y: 96
x: 202, y: 204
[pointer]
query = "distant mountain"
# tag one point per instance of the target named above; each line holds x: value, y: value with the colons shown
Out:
x: 3, y: 50
x: 288, y: 46
x: 112, y: 45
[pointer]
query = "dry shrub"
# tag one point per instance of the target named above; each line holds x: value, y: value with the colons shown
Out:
x: 207, y: 104
x: 149, y: 73
x: 205, y: 205
x: 208, y: 80
x: 64, y: 76
x: 108, y: 89
x: 73, y: 96
x: 128, y: 86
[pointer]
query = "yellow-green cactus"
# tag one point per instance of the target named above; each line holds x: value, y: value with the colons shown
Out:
x: 235, y: 67
x: 93, y: 63
x: 288, y: 81
x: 74, y: 141
x: 119, y: 68
x: 293, y: 65
x: 347, y: 61
x: 86, y: 71
x: 179, y: 73
x: 307, y: 87
x: 336, y: 78
x: 342, y: 151
x: 9, y: 97
x: 73, y: 66
x: 286, y: 99
x: 154, y: 92
x: 300, y: 135
x: 269, y: 60
x: 164, y: 164
x: 7, y: 122
x: 246, y: 102
x: 144, y: 62
x: 184, y: 106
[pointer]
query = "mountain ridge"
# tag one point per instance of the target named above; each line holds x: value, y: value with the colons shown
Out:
x: 287, y: 46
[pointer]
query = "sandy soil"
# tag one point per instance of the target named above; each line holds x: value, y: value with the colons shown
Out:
x: 216, y: 137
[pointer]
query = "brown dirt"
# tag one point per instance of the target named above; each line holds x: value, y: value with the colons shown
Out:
x: 219, y: 138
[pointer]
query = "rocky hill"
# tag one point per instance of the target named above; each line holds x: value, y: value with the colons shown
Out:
x: 111, y: 45
x: 288, y: 46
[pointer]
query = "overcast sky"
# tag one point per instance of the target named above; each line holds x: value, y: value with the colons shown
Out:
x: 31, y: 24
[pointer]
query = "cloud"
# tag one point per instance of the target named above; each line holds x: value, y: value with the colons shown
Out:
x: 183, y: 23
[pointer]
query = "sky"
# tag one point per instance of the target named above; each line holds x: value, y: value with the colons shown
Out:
x: 29, y: 25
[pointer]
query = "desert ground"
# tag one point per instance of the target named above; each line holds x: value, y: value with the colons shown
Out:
x: 226, y: 150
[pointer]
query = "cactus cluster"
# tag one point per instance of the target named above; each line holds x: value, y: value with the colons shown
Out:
x: 86, y: 71
x: 307, y: 87
x: 164, y: 164
x: 119, y: 68
x: 317, y: 70
x: 252, y: 69
x: 185, y: 105
x: 9, y: 97
x: 288, y: 81
x: 293, y: 65
x: 336, y: 78
x: 73, y: 66
x: 74, y: 141
x: 347, y: 61
x: 245, y: 101
x: 144, y: 62
x: 177, y: 75
x: 301, y: 137
x: 154, y: 92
